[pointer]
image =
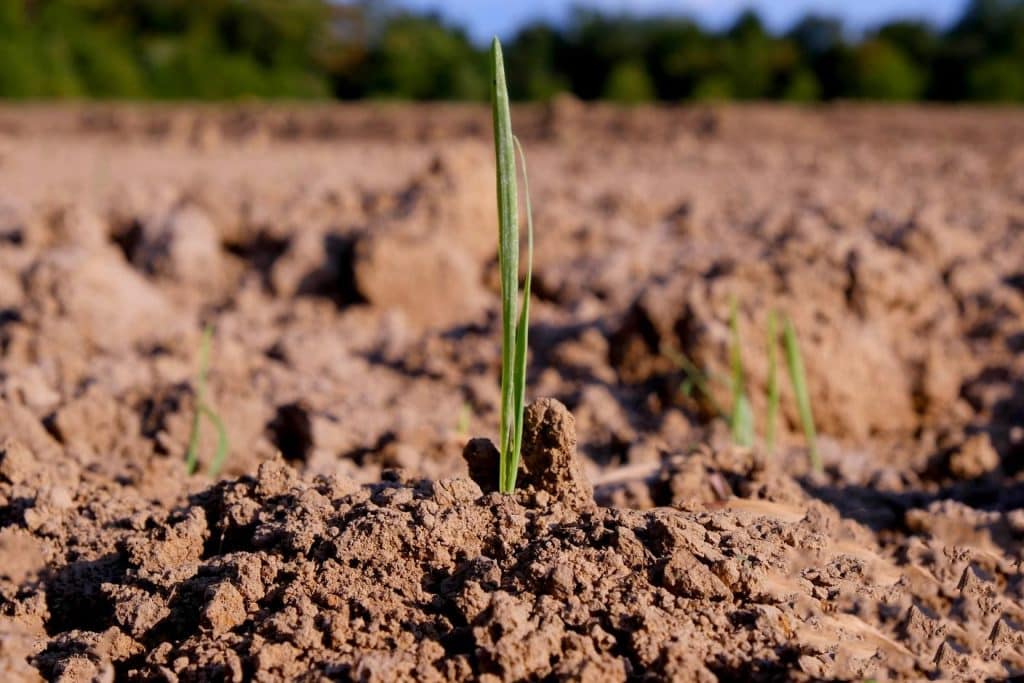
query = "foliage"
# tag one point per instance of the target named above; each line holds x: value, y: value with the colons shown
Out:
x: 881, y: 71
x: 222, y: 49
x: 420, y: 58
x: 628, y: 83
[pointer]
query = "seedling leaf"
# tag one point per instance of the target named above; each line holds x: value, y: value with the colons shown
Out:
x: 741, y: 421
x: 202, y: 410
x: 797, y: 376
x: 465, y: 413
x: 694, y: 378
x: 223, y: 445
x: 514, y: 327
x: 773, y: 382
x: 522, y: 331
x: 192, y: 455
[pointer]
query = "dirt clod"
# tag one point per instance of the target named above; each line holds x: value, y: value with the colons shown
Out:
x: 550, y: 463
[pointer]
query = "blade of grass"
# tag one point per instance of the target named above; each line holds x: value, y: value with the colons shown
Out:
x: 694, y: 377
x: 508, y: 265
x: 773, y: 382
x: 192, y: 455
x: 465, y: 414
x: 742, y: 420
x: 202, y: 410
x: 223, y: 445
x: 522, y: 333
x: 797, y: 375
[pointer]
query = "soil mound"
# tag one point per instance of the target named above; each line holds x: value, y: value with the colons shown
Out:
x: 271, y: 577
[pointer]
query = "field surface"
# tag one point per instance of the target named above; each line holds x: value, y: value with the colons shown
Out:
x: 345, y: 258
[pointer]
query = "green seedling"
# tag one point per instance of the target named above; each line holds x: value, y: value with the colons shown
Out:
x: 741, y: 416
x: 203, y: 409
x: 773, y: 383
x: 515, y: 317
x: 695, y: 378
x: 741, y: 420
x: 797, y: 376
x: 462, y: 424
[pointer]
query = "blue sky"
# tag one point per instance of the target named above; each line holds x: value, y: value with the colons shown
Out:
x: 484, y: 18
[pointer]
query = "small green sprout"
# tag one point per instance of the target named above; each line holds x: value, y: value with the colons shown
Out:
x: 797, y: 376
x: 773, y: 383
x: 741, y: 415
x: 695, y: 378
x: 465, y: 414
x: 514, y: 326
x: 203, y: 409
x: 741, y: 420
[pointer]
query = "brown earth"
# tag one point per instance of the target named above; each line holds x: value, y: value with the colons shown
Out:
x: 345, y: 258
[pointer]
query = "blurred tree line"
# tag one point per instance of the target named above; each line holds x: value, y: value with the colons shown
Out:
x: 217, y: 49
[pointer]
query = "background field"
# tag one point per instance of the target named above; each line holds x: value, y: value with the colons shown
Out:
x: 346, y: 258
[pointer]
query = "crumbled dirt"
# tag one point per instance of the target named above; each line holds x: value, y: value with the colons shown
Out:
x: 345, y: 258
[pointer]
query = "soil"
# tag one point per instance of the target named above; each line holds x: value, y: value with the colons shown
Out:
x: 345, y: 257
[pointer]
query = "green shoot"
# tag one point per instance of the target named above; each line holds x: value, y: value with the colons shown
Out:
x: 741, y: 420
x: 462, y: 424
x: 695, y: 378
x: 203, y: 409
x: 741, y: 417
x: 797, y: 376
x: 514, y: 327
x: 773, y: 382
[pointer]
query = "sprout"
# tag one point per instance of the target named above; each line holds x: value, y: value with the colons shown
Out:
x: 695, y: 378
x: 515, y: 317
x: 797, y: 376
x: 741, y: 420
x: 203, y: 409
x: 741, y: 415
x: 773, y: 383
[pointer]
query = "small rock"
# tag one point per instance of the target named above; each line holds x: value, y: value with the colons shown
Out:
x: 108, y: 303
x: 16, y: 462
x: 22, y: 555
x: 274, y: 478
x: 184, y: 245
x: 449, y: 492
x: 975, y: 458
x: 225, y: 608
x: 432, y: 281
x: 686, y: 577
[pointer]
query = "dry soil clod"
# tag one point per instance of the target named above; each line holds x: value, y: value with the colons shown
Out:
x: 550, y: 469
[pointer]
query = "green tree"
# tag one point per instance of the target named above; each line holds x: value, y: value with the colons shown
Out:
x: 998, y: 80
x: 532, y: 61
x: 628, y: 83
x: 749, y: 57
x: 421, y: 58
x: 802, y: 86
x: 20, y: 73
x: 680, y: 54
x: 882, y: 71
x: 713, y: 88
